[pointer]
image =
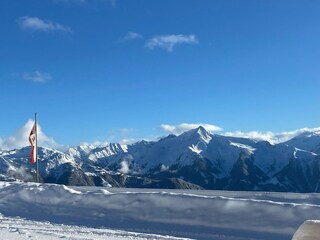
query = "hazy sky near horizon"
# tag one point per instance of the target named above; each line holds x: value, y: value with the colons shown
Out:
x: 106, y: 70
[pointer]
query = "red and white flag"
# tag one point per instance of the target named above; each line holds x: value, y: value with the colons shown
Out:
x: 33, y: 142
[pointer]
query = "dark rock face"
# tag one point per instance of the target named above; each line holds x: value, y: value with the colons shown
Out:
x: 245, y: 175
x: 69, y: 175
x: 299, y: 176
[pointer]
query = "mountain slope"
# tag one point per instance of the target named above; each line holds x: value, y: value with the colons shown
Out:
x: 309, y: 141
x: 195, y: 159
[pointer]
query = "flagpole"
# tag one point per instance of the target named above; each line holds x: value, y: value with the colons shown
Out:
x: 35, y: 120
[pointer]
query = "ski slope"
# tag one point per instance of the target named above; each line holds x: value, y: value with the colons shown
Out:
x: 48, y: 211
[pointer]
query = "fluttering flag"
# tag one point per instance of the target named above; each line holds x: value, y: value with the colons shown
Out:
x: 33, y: 142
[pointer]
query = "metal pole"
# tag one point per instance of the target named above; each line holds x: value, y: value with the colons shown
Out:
x: 35, y: 119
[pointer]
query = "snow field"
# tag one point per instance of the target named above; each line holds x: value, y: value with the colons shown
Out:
x: 192, y: 214
x: 21, y: 229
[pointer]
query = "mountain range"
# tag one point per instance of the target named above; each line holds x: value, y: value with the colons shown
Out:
x: 196, y: 159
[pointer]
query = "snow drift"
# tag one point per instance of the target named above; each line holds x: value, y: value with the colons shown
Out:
x: 201, y: 215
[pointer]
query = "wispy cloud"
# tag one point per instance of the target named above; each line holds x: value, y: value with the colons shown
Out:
x: 37, y: 24
x: 168, y: 42
x: 183, y: 127
x: 69, y: 1
x: 128, y: 141
x: 131, y: 36
x: 111, y: 2
x: 271, y: 136
x: 19, y: 138
x: 265, y: 136
x: 125, y: 131
x: 37, y: 77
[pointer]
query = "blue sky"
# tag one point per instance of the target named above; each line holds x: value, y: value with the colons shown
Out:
x: 104, y: 70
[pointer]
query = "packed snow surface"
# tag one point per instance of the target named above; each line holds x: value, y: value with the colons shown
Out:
x: 21, y: 229
x: 48, y: 211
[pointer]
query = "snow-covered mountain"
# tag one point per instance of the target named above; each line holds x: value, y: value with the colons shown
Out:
x: 195, y: 159
x: 308, y: 140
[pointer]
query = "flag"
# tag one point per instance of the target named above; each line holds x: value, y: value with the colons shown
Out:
x: 33, y: 142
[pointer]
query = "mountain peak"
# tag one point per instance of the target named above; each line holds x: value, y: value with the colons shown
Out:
x: 199, y: 133
x: 202, y: 129
x: 307, y: 140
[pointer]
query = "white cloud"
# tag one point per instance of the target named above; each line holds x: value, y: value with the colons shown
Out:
x: 270, y: 136
x: 168, y: 42
x: 37, y: 76
x: 124, y: 167
x: 20, y: 138
x: 265, y: 136
x: 111, y: 2
x: 37, y: 24
x: 183, y: 127
x: 128, y: 141
x: 69, y: 1
x: 131, y: 36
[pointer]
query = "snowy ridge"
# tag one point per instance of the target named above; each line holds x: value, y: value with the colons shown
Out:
x: 309, y: 141
x: 243, y: 146
x: 93, y: 153
x: 194, y: 159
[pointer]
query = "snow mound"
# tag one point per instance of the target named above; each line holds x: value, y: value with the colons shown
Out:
x: 309, y: 230
x: 34, y: 192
